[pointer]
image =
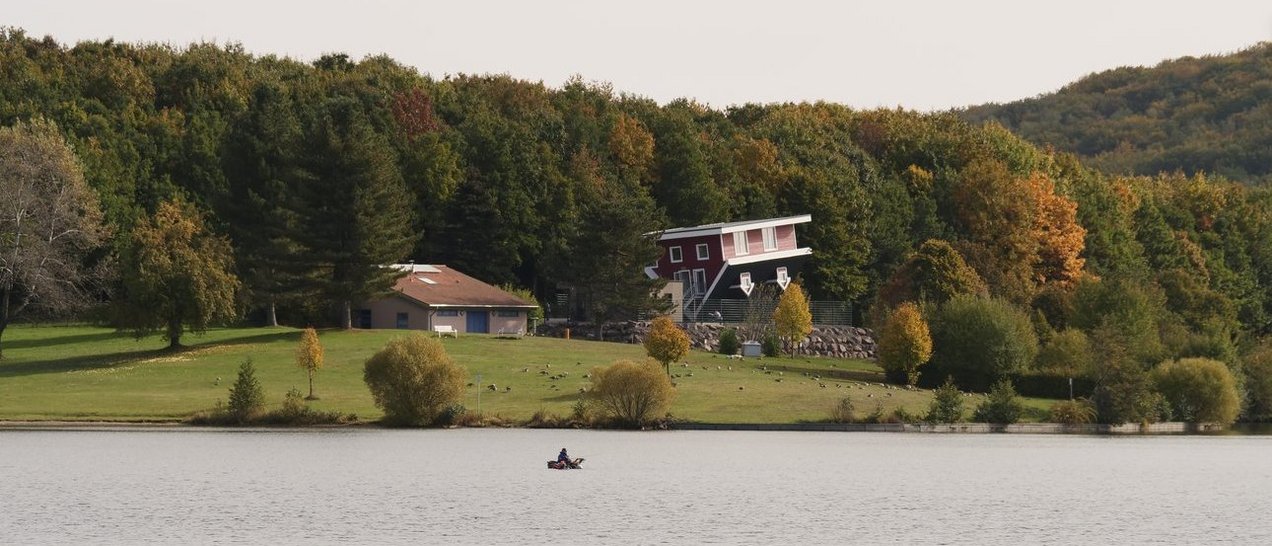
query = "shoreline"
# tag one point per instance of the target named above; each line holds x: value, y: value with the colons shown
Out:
x: 1170, y: 428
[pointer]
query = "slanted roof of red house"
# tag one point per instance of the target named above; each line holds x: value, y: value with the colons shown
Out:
x: 730, y: 227
x: 441, y: 286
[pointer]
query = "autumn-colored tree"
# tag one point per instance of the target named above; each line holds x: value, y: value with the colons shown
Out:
x: 176, y: 275
x: 1060, y: 239
x: 413, y: 380
x: 309, y: 357
x: 905, y: 344
x: 792, y: 318
x: 632, y: 146
x: 666, y: 342
x: 935, y: 273
x: 995, y: 210
x: 632, y: 392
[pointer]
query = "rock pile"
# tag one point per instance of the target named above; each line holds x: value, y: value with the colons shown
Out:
x: 830, y: 341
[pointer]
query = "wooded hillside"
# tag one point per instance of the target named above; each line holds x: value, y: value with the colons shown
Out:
x: 308, y: 168
x: 1210, y: 114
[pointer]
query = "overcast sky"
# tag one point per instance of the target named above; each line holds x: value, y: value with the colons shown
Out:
x: 916, y: 54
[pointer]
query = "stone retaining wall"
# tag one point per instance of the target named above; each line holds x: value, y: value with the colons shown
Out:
x: 829, y: 341
x: 969, y: 428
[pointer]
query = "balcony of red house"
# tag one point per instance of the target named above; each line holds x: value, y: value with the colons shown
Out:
x: 711, y: 261
x: 438, y: 298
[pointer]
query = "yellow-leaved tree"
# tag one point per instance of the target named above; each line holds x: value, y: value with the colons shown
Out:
x: 905, y: 344
x: 309, y: 356
x: 792, y: 318
x: 177, y: 275
x: 666, y: 342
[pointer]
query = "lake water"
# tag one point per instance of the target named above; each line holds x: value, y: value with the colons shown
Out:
x: 365, y: 485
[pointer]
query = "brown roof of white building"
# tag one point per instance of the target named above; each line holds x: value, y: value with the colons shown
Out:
x: 441, y: 286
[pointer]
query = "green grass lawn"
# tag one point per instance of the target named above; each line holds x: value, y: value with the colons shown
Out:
x: 90, y: 373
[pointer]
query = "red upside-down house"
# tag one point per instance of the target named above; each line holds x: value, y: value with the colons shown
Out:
x: 727, y: 261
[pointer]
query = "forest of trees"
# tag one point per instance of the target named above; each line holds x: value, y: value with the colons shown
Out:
x: 1211, y: 114
x: 318, y: 173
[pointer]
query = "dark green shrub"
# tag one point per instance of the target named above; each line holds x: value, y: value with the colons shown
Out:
x: 1002, y: 406
x: 451, y: 415
x: 1258, y: 369
x: 771, y: 345
x: 729, y: 342
x: 900, y: 415
x: 293, y: 404
x: 247, y: 398
x: 1122, y: 392
x: 947, y: 404
x: 977, y: 340
x: 1040, y: 385
x: 1129, y: 314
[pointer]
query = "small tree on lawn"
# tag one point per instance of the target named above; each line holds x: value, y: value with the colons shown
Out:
x: 1002, y: 406
x: 309, y: 357
x: 246, y: 395
x: 905, y: 344
x: 666, y: 342
x: 947, y: 405
x: 413, y: 380
x: 792, y: 318
x: 177, y: 275
x: 632, y: 392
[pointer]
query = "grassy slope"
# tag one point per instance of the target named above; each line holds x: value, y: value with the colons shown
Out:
x: 87, y: 373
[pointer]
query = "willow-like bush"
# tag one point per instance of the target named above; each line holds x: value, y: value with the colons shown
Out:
x: 1198, y: 390
x: 413, y: 380
x: 632, y: 393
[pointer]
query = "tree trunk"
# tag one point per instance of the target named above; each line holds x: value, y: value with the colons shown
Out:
x: 271, y: 315
x: 311, y: 386
x: 174, y: 334
x: 4, y: 318
x: 346, y: 316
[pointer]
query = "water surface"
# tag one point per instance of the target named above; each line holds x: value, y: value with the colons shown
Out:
x: 487, y: 486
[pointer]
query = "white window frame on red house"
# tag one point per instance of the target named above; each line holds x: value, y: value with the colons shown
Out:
x: 675, y: 255
x: 703, y: 251
x: 685, y: 277
x: 699, y: 282
x: 770, y: 238
x: 741, y: 244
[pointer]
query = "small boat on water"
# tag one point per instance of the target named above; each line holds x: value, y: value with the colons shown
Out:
x: 558, y: 465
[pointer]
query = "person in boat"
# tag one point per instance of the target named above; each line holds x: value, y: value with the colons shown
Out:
x: 563, y: 458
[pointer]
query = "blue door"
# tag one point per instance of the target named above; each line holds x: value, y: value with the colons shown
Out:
x: 478, y: 322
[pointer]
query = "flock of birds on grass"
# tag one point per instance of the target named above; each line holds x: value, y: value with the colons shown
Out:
x: 554, y: 378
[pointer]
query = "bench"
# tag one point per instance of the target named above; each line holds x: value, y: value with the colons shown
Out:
x: 446, y: 329
x: 510, y: 333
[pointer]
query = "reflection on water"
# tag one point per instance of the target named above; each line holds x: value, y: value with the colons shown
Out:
x: 491, y: 486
